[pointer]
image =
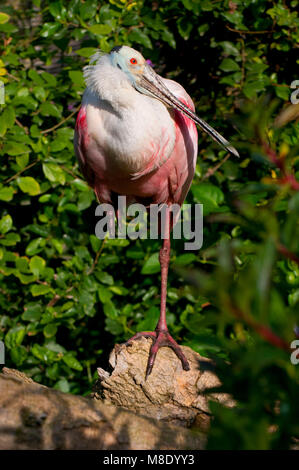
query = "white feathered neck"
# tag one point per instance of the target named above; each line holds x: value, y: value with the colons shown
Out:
x: 108, y: 82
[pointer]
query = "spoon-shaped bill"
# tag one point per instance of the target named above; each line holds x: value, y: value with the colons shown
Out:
x: 150, y: 83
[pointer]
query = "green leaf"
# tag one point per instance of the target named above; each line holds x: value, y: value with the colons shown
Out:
x: 57, y: 145
x: 72, y: 362
x: 22, y: 160
x: 62, y: 385
x: 3, y: 126
x: 5, y: 224
x: 4, y: 17
x: 117, y: 242
x: 8, y: 117
x: 6, y: 194
x: 104, y: 294
x: 185, y: 27
x: 22, y: 264
x: 37, y: 265
x: 54, y: 173
x: 85, y: 200
x: 50, y: 330
x: 86, y: 51
x: 202, y: 29
x: 50, y: 109
x: 77, y: 78
x: 209, y: 195
x: 95, y: 243
x: 15, y: 336
x: 110, y: 310
x: 52, y: 346
x: 43, y: 353
x: 57, y: 10
x: 251, y: 88
x: 119, y: 290
x: 139, y: 37
x: 58, y: 244
x: 49, y: 78
x: 39, y: 289
x: 135, y: 253
x: 24, y: 278
x: 36, y: 77
x: 80, y: 185
x: 113, y: 326
x: 10, y: 239
x: 40, y: 93
x: 44, y: 198
x: 35, y: 246
x: 229, y: 65
x: 100, y: 29
x: 168, y: 37
x: 293, y: 298
x: 18, y: 355
x: 29, y: 185
x: 283, y: 92
x: 185, y: 259
x: 150, y: 319
x: 104, y: 277
x: 229, y: 48
x: 32, y: 313
x: 15, y: 148
x: 188, y: 4
x: 152, y: 265
x: 49, y: 29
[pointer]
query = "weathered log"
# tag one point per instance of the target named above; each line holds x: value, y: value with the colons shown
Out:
x: 129, y: 412
x: 36, y: 417
x: 170, y: 393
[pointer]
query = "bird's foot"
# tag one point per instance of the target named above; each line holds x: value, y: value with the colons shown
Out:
x: 160, y: 338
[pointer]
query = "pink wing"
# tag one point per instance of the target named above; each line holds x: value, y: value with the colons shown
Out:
x: 81, y: 141
x: 82, y: 150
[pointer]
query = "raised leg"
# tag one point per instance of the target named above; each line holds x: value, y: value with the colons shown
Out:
x: 161, y: 336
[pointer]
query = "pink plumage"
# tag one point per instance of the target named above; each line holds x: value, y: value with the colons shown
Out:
x: 135, y: 136
x: 162, y: 179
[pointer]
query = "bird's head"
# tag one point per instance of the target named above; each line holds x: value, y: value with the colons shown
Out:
x: 140, y: 74
x: 145, y: 80
x: 131, y: 62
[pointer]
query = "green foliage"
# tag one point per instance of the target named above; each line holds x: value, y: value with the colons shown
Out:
x: 67, y: 297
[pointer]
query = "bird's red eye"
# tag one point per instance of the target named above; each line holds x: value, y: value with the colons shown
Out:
x: 133, y: 61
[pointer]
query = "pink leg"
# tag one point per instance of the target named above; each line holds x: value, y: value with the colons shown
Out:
x: 161, y: 336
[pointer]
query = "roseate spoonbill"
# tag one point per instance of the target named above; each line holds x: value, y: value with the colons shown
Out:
x: 136, y: 136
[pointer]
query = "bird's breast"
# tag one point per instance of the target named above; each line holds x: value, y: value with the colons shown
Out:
x: 132, y: 140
